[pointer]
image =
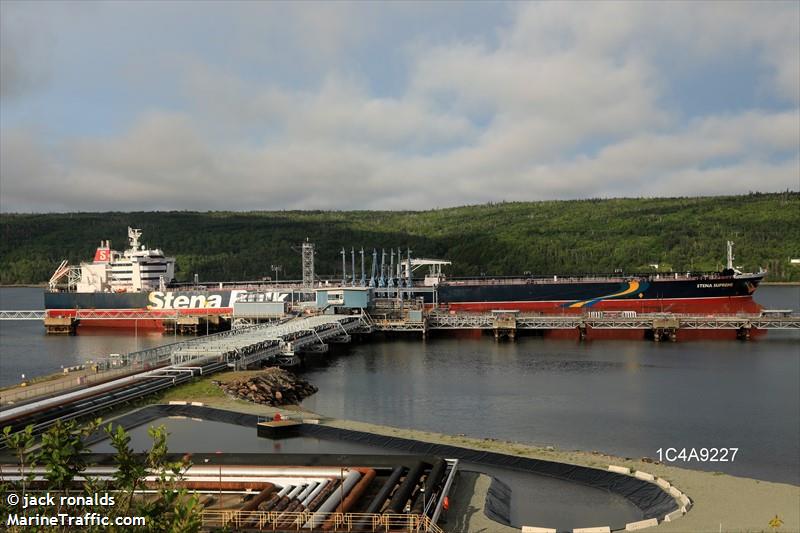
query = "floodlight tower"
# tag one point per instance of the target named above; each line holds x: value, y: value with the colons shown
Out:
x: 373, y: 276
x: 308, y: 264
x: 363, y: 274
x: 353, y: 265
x: 382, y: 279
x: 391, y: 268
x: 344, y: 268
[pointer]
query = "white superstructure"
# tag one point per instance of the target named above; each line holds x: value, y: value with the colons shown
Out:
x: 136, y: 269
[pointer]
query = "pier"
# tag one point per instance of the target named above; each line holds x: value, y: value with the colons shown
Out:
x: 122, y: 378
x: 505, y: 323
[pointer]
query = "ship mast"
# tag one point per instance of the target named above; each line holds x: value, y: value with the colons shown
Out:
x: 730, y: 255
x: 133, y: 237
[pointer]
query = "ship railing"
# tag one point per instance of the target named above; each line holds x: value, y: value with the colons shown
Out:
x: 585, y: 278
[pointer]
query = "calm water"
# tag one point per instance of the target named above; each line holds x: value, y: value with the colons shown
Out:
x: 25, y: 349
x: 623, y: 397
x: 534, y: 499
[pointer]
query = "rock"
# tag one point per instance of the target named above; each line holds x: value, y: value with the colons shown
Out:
x: 273, y: 387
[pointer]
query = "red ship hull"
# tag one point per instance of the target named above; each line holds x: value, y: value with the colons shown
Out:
x: 716, y: 305
x: 132, y: 319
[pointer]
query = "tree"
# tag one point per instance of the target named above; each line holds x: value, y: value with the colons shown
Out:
x: 21, y: 443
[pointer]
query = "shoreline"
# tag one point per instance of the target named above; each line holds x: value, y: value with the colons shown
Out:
x: 735, y: 504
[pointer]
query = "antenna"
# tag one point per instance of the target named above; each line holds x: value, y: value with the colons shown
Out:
x: 133, y: 237
x: 276, y: 268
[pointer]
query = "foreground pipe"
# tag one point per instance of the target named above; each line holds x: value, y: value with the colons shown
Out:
x: 253, y: 504
x: 285, y: 519
x: 309, y: 498
x: 267, y: 505
x: 334, y: 499
x: 431, y: 481
x: 303, y: 495
x: 296, y: 492
x: 276, y: 498
x: 368, y: 474
x: 403, y: 492
x: 377, y: 503
x: 215, y: 485
x: 322, y: 496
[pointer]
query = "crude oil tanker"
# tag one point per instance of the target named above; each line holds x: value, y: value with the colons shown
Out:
x: 140, y: 280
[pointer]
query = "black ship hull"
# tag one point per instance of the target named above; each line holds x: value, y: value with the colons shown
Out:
x: 676, y: 295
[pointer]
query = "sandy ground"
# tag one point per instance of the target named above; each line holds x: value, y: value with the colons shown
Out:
x: 466, y: 512
x: 721, y: 502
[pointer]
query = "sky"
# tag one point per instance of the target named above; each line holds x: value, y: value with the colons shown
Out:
x: 158, y: 105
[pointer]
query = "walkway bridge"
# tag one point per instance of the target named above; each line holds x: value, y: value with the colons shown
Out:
x: 23, y: 315
x: 274, y: 343
x: 153, y: 370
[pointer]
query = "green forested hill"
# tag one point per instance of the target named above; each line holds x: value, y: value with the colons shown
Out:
x: 497, y: 239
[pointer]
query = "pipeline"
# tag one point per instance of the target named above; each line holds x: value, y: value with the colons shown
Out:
x: 282, y: 504
x: 322, y: 496
x: 216, y: 485
x: 277, y: 497
x: 307, y: 501
x: 44, y: 413
x: 431, y: 482
x: 288, y: 498
x: 267, y: 505
x: 285, y: 506
x: 285, y: 520
x: 377, y: 503
x: 334, y: 499
x: 303, y: 495
x: 253, y: 504
x: 368, y: 474
x: 201, y: 469
x: 297, y: 490
x: 403, y: 492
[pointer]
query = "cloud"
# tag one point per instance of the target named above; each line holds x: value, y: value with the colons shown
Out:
x: 556, y: 103
x: 23, y: 60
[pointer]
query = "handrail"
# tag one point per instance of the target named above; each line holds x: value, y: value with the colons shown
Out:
x: 285, y: 520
